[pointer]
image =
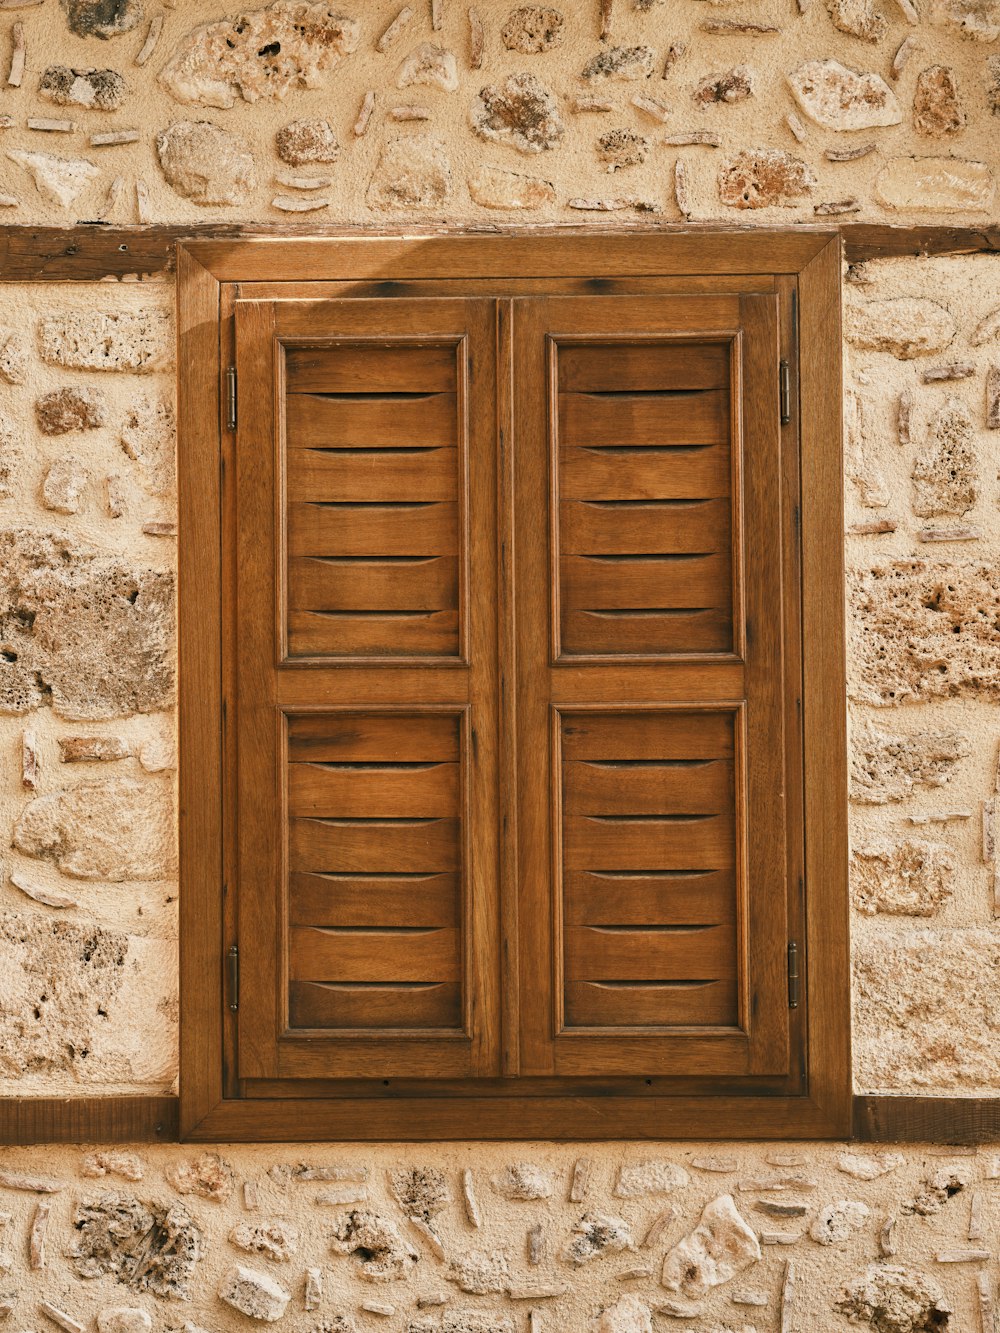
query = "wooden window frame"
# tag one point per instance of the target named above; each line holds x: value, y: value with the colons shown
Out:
x: 209, y: 1110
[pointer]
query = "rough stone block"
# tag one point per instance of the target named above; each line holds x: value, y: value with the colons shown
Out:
x: 377, y: 1245
x: 421, y: 1191
x: 764, y: 178
x: 840, y: 98
x: 13, y: 358
x: 859, y: 18
x: 206, y: 164
x: 147, y: 435
x: 978, y: 19
x: 893, y: 1299
x: 303, y: 141
x: 922, y: 629
x: 411, y: 173
x: 481, y: 1272
x: 941, y: 184
x: 937, y: 111
x: 520, y: 112
x: 627, y: 63
x: 907, y: 878
x: 595, y: 1235
x: 888, y: 766
x: 637, y: 1179
x: 146, y: 1247
x: 207, y: 1176
x: 945, y: 471
x: 622, y: 148
x: 60, y: 180
x: 112, y: 1162
x: 63, y: 410
x: 101, y: 18
x: 64, y: 484
x: 628, y: 1315
x: 108, y: 340
x: 719, y: 1248
x: 429, y: 66
x: 490, y: 187
x: 254, y: 1294
x: 525, y: 1180
x: 123, y: 1319
x: 906, y: 326
x: 102, y: 89
x: 735, y: 85
x: 927, y: 1009
x: 836, y: 1223
x: 533, y: 28
x: 259, y: 54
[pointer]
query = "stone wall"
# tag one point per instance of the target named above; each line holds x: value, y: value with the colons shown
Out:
x: 397, y: 114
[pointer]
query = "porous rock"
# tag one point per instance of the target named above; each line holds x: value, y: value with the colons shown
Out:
x: 906, y: 326
x: 429, y: 65
x: 859, y: 18
x: 936, y: 108
x: 637, y: 1179
x: 622, y: 148
x: 254, y: 1294
x: 207, y: 1176
x: 628, y: 1315
x: 13, y: 358
x: 123, y: 1319
x: 840, y: 98
x: 411, y: 173
x: 62, y: 410
x: 102, y: 18
x: 101, y: 89
x: 60, y: 180
x: 902, y: 878
x: 113, y: 830
x: 273, y: 1237
x: 938, y: 1188
x: 627, y: 63
x: 261, y: 53
x: 525, y: 1180
x: 720, y: 1247
x: 888, y: 766
x: 147, y: 435
x: 112, y: 1162
x: 309, y: 140
x: 917, y: 1032
x: 520, y: 112
x: 381, y: 1252
x: 941, y: 184
x: 978, y: 19
x: 869, y: 1166
x: 421, y: 1191
x: 764, y: 178
x: 88, y: 633
x: 63, y: 485
x: 146, y: 1247
x: 533, y: 28
x: 107, y: 340
x: 837, y: 1222
x: 893, y: 1299
x: 11, y: 458
x: 945, y: 470
x: 481, y: 1272
x: 595, y: 1235
x: 206, y: 164
x: 923, y: 629
x: 735, y: 85
x: 490, y: 187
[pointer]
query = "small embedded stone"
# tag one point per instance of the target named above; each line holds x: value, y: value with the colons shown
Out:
x: 629, y: 1314
x: 31, y: 1184
x: 420, y: 1191
x: 714, y: 1252
x: 905, y: 326
x: 939, y: 1187
x: 902, y: 878
x: 205, y: 163
x: 520, y: 112
x: 627, y: 63
x: 101, y: 89
x: 147, y: 436
x: 490, y: 187
x: 273, y: 1238
x: 64, y: 484
x: 380, y: 1250
x: 888, y: 766
x: 937, y: 111
x: 411, y: 173
x: 837, y: 1222
x: 303, y: 141
x: 102, y: 18
x: 254, y: 1294
x: 596, y: 1235
x: 111, y: 1162
x: 735, y: 85
x: 859, y: 18
x: 13, y: 359
x: 764, y: 178
x: 869, y: 1166
x: 840, y: 98
x: 208, y: 1176
x: 941, y: 184
x: 945, y: 471
x: 107, y: 340
x: 60, y: 180
x: 64, y: 410
x: 533, y: 29
x: 144, y: 1247
x: 481, y: 1272
x: 638, y: 1179
x: 978, y: 19
x: 123, y: 1319
x: 431, y: 66
x: 260, y: 54
x: 622, y: 148
x: 893, y: 1299
x: 525, y: 1180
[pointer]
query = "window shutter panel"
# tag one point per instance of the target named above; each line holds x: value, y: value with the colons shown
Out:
x: 651, y: 680
x: 366, y: 670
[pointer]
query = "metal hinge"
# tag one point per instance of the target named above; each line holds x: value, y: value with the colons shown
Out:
x: 230, y: 398
x: 793, y: 974
x: 785, y: 389
x: 233, y: 975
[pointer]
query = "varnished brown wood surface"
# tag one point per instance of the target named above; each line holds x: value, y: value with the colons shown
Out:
x: 96, y: 1120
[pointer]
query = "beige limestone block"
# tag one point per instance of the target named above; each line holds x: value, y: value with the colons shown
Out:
x: 60, y: 180
x: 905, y: 326
x: 944, y: 184
x: 719, y: 1248
x: 108, y: 340
x: 520, y: 112
x: 532, y: 29
x: 204, y: 163
x: 902, y: 878
x: 411, y: 173
x: 491, y: 187
x: 888, y: 766
x: 841, y: 98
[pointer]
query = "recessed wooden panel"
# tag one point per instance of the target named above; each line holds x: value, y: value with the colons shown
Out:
x: 375, y: 859
x: 643, y: 468
x: 373, y: 450
x: 648, y: 851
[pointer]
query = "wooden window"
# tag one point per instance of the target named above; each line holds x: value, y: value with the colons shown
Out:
x: 528, y: 720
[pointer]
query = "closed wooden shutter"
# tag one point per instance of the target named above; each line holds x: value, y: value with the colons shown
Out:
x: 650, y: 687
x: 366, y: 717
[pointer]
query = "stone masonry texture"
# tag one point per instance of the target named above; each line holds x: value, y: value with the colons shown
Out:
x: 403, y: 115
